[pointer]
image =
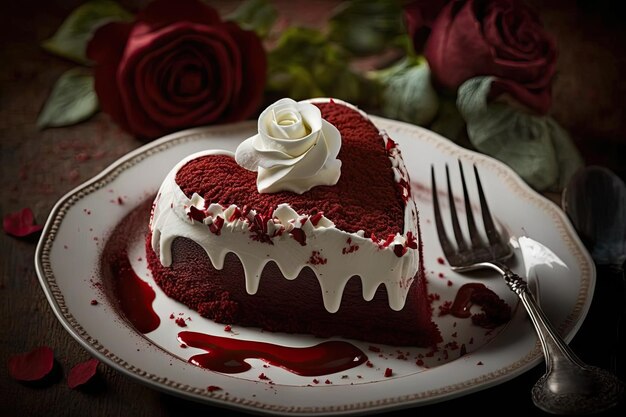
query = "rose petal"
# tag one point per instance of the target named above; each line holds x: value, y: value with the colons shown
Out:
x: 455, y: 37
x: 419, y: 16
x: 33, y: 365
x: 106, y: 49
x: 160, y: 13
x: 247, y: 156
x: 82, y: 373
x: 20, y: 223
x: 538, y: 100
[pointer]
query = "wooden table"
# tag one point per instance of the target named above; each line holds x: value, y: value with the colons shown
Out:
x: 38, y: 167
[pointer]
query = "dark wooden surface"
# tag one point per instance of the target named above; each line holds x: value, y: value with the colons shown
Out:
x: 38, y: 167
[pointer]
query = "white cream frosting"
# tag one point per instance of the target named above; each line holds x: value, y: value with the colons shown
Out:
x: 332, y: 254
x: 295, y: 149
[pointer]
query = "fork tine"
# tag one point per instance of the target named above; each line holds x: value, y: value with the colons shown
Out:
x: 458, y: 235
x: 490, y: 228
x: 446, y: 246
x: 471, y: 225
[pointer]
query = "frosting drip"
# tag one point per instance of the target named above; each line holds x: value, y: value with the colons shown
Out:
x: 292, y: 240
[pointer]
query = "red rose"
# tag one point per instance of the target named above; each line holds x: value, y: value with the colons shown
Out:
x: 500, y: 38
x: 177, y: 66
x: 420, y: 16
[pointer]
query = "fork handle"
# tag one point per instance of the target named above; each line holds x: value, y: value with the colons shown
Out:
x: 556, y: 352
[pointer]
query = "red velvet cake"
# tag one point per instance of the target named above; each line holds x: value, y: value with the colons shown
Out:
x: 310, y: 227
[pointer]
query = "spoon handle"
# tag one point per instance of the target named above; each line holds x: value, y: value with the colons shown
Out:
x: 569, y: 386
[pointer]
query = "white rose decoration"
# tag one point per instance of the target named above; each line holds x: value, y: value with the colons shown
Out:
x: 295, y: 149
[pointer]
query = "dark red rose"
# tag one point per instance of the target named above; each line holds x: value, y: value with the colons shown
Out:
x: 500, y: 38
x: 178, y: 65
x: 419, y: 16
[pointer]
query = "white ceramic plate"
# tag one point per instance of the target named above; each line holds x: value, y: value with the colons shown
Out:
x: 67, y: 263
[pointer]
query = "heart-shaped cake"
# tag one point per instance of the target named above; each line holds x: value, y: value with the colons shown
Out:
x: 321, y: 237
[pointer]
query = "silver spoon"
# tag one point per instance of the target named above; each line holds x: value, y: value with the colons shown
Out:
x: 595, y: 200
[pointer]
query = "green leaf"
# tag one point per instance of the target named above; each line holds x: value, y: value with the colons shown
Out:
x: 536, y: 147
x: 305, y: 64
x: 256, y: 15
x: 70, y: 40
x: 366, y: 27
x: 449, y: 123
x: 407, y: 93
x: 72, y: 100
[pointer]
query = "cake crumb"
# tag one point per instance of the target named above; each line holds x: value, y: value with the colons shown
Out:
x: 388, y: 372
x: 181, y: 322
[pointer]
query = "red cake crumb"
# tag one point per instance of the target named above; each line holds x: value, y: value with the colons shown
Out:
x: 316, y: 381
x: 93, y: 302
x: 328, y: 382
x: 369, y: 364
x: 299, y: 236
x: 263, y: 377
x: 228, y: 328
x: 441, y: 261
x: 350, y: 248
x: 317, y: 259
x: 181, y: 322
x: 480, y: 363
x: 388, y: 372
x: 213, y: 388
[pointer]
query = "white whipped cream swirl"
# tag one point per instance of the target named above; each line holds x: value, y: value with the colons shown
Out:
x: 295, y: 149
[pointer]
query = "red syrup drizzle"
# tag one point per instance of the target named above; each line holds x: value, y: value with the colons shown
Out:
x: 495, y: 310
x: 135, y: 298
x: 132, y: 295
x: 228, y: 355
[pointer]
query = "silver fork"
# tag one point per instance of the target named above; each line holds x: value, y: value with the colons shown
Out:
x: 568, y: 386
